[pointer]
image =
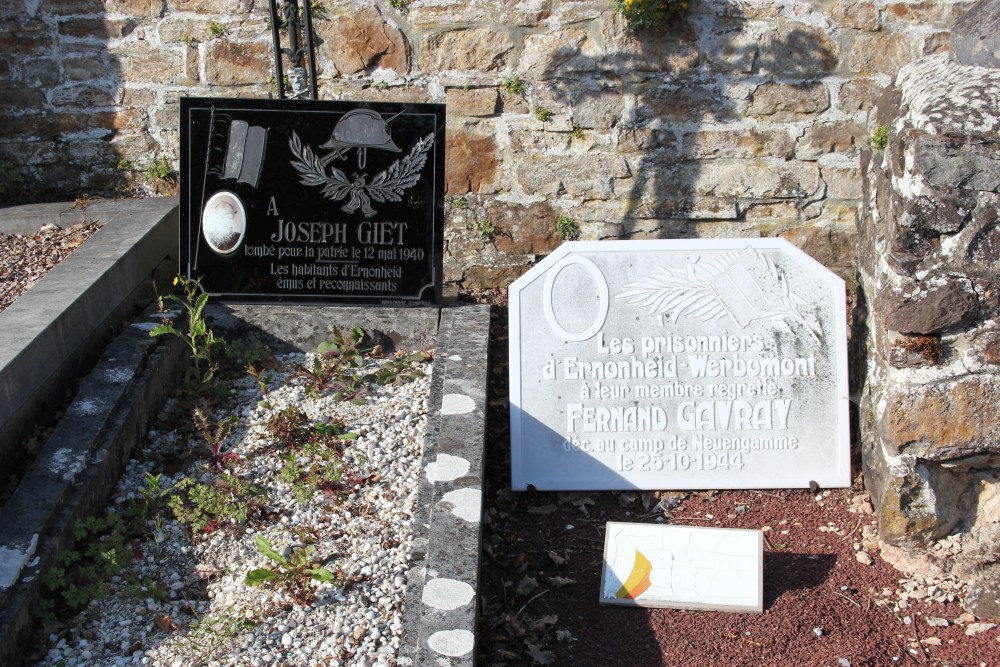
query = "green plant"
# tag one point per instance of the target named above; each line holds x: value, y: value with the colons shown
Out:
x: 514, y: 86
x: 543, y: 114
x: 11, y: 181
x: 567, y: 228
x: 459, y: 203
x: 188, y: 40
x: 152, y: 494
x: 292, y: 574
x: 216, y: 29
x: 198, y: 337
x: 317, y: 9
x: 576, y: 132
x: 205, y: 507
x: 880, y: 138
x: 401, y: 5
x: 158, y: 169
x: 208, y: 636
x: 215, y: 435
x: 101, y: 549
x: 486, y: 228
x: 123, y: 164
x: 643, y: 14
x: 334, y: 364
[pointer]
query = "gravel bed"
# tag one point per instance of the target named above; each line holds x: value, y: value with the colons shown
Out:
x: 205, y: 614
x: 24, y: 258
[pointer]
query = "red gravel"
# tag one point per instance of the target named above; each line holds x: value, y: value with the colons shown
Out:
x: 822, y: 607
x: 26, y: 258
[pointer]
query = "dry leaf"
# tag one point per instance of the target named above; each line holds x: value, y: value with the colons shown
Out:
x: 540, y: 657
x: 556, y: 558
x: 163, y: 623
x: 559, y: 582
x: 525, y: 586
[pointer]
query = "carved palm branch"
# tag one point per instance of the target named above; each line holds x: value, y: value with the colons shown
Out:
x: 389, y: 185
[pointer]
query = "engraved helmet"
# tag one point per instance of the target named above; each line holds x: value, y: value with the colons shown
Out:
x: 362, y: 128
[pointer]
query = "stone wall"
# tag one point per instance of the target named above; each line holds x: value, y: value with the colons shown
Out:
x: 745, y: 119
x: 929, y: 253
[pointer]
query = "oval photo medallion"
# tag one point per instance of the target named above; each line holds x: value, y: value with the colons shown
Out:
x: 224, y: 222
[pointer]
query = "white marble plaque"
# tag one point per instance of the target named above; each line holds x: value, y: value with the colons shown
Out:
x: 682, y: 364
x: 683, y: 567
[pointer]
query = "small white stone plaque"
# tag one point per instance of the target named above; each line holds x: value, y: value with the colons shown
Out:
x: 682, y: 364
x: 683, y: 567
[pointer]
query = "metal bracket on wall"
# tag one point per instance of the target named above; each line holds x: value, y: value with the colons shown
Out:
x: 302, y: 59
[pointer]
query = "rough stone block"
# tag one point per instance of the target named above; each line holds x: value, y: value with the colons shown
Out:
x: 799, y: 50
x: 738, y: 144
x: 601, y: 110
x: 142, y: 8
x: 878, y: 53
x: 554, y: 54
x: 161, y: 66
x: 526, y: 13
x: 96, y: 29
x: 478, y: 49
x: 927, y: 11
x: 528, y: 230
x: 472, y: 162
x: 228, y: 63
x: 475, y: 102
x: 789, y: 102
x: 588, y: 176
x: 859, y: 15
x: 24, y: 37
x: 975, y: 37
x: 363, y: 41
x: 691, y: 102
x: 835, y: 137
x: 932, y: 310
x: 833, y: 247
x: 82, y: 97
x: 859, y: 94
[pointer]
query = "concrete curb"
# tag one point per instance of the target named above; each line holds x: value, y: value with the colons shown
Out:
x: 58, y: 327
x: 442, y: 596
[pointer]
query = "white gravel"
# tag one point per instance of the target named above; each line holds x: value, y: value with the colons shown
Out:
x: 210, y: 616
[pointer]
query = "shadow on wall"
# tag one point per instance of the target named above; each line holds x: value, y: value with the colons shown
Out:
x: 62, y: 100
x: 698, y: 152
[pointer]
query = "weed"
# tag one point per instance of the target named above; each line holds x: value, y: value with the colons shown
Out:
x: 215, y: 435
x: 929, y: 347
x: 188, y: 40
x: 486, y: 228
x: 205, y: 507
x: 400, y: 5
x: 11, y: 181
x: 198, y: 337
x: 567, y: 228
x: 101, y: 550
x: 459, y: 203
x: 576, y: 132
x: 334, y: 364
x: 158, y: 169
x: 123, y: 164
x: 644, y: 14
x: 292, y: 574
x: 153, y: 494
x: 216, y: 29
x: 514, y: 86
x: 317, y: 10
x: 543, y: 114
x: 880, y: 138
x: 208, y: 636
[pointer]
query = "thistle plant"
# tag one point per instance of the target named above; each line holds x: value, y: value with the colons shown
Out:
x: 215, y: 435
x: 198, y: 337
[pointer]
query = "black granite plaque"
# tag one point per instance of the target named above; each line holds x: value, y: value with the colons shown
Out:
x: 305, y: 201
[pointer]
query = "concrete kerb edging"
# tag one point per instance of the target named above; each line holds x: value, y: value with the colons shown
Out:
x: 59, y: 326
x: 442, y: 594
x: 97, y: 464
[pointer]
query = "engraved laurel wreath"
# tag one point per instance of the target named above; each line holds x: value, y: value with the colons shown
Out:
x: 708, y: 290
x: 387, y: 186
